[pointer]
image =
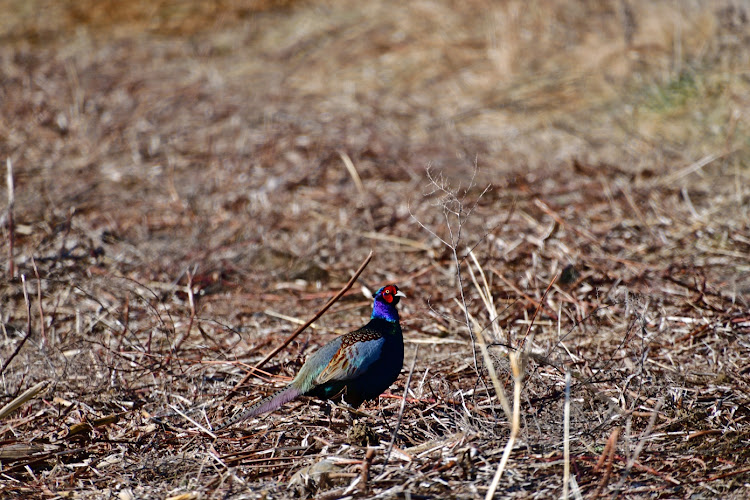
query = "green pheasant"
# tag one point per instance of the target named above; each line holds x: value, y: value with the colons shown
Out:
x: 361, y: 364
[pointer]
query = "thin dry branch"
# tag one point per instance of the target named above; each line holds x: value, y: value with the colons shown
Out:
x: 24, y: 397
x: 11, y: 228
x: 493, y: 376
x: 349, y: 164
x: 490, y: 365
x: 42, y: 328
x: 365, y: 472
x: 566, y: 438
x: 453, y: 207
x: 28, y: 326
x: 641, y: 443
x: 302, y: 328
x: 536, y: 310
x: 401, y: 410
x: 607, y: 457
x: 202, y: 428
x: 517, y: 366
x: 191, y: 302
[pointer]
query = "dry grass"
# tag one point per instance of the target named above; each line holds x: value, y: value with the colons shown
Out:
x: 189, y: 174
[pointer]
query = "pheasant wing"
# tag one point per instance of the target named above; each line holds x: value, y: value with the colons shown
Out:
x: 358, y: 350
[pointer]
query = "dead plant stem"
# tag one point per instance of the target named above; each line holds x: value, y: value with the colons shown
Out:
x: 302, y: 328
x: 639, y: 447
x: 401, y: 410
x: 28, y: 326
x: 517, y: 365
x: 42, y: 328
x: 11, y: 228
x: 566, y: 438
x: 536, y: 310
x: 466, y: 311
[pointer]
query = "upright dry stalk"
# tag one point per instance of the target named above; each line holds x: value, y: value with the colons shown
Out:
x: 349, y: 164
x: 191, y: 301
x: 11, y: 228
x: 455, y: 215
x: 42, y: 328
x: 302, y: 328
x: 639, y: 447
x: 517, y: 367
x: 401, y: 410
x: 607, y: 457
x: 28, y: 326
x: 566, y: 438
x: 493, y: 375
x: 486, y: 295
x: 364, y: 472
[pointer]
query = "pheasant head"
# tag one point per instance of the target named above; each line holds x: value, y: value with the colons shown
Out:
x: 384, y: 306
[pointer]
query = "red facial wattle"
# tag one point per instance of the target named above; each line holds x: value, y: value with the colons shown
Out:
x: 389, y: 294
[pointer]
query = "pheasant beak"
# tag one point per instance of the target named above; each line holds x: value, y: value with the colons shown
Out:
x: 400, y: 294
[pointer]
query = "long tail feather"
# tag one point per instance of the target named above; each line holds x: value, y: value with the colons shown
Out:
x: 265, y: 405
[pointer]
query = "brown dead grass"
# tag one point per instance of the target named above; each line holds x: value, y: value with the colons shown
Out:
x: 152, y: 141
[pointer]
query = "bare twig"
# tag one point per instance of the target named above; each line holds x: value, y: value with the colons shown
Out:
x: 125, y: 322
x: 401, y: 410
x: 493, y: 376
x: 609, y: 449
x: 639, y: 447
x: 566, y: 438
x: 191, y: 301
x: 365, y: 472
x: 203, y: 428
x: 517, y: 366
x: 25, y: 396
x: 11, y: 229
x: 466, y: 311
x: 28, y: 326
x: 349, y: 164
x: 607, y: 458
x: 485, y: 353
x: 453, y: 208
x: 302, y: 328
x: 42, y: 328
x: 536, y: 311
x: 694, y: 167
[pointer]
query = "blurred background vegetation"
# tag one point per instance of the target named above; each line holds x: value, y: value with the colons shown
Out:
x: 519, y: 84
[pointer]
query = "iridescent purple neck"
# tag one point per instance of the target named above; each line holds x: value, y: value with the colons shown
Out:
x: 384, y: 311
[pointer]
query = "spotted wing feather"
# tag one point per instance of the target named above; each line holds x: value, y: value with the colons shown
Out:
x: 358, y: 350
